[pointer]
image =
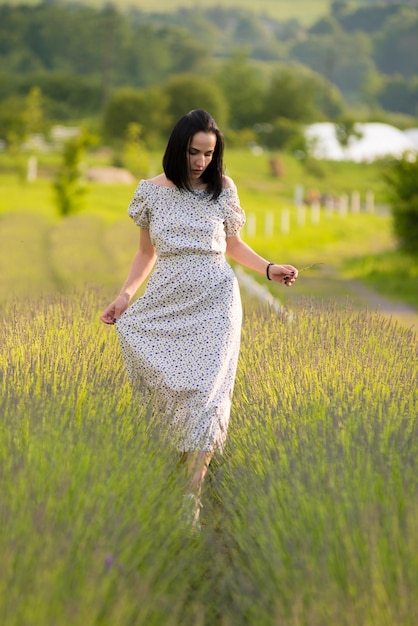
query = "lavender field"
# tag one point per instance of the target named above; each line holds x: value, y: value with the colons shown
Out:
x: 309, y: 517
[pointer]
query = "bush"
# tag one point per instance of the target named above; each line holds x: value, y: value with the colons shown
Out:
x: 401, y: 177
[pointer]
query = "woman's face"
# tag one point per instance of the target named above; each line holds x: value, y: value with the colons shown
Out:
x: 201, y: 149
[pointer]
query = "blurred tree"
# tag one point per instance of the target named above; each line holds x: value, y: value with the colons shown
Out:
x: 103, y: 43
x: 290, y: 95
x: 396, y: 48
x: 22, y: 116
x: 297, y: 94
x: 283, y: 134
x: 13, y: 131
x: 327, y: 25
x: 243, y: 89
x: 187, y: 92
x: 345, y: 129
x: 66, y: 95
x: 345, y: 60
x: 198, y: 24
x: 147, y: 107
x: 186, y: 53
x: 399, y: 94
x: 68, y: 184
x: 12, y: 119
x: 368, y: 19
x: 339, y: 8
x: 249, y: 31
x: 134, y: 155
x: 328, y: 99
x: 401, y: 177
x: 33, y: 114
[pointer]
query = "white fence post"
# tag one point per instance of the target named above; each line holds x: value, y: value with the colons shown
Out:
x: 285, y: 221
x: 370, y: 202
x: 315, y: 213
x: 298, y: 195
x: 329, y: 206
x: 269, y: 224
x: 355, y: 202
x: 32, y: 171
x: 251, y: 225
x: 343, y: 205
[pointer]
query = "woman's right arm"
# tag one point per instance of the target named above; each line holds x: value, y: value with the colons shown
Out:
x: 142, y: 265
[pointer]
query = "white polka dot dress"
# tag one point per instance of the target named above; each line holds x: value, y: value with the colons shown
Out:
x: 180, y: 340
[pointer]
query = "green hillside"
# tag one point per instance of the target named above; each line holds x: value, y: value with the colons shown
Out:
x: 303, y: 10
x: 306, y: 11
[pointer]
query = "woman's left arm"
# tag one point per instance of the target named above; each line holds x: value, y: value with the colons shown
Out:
x: 240, y: 252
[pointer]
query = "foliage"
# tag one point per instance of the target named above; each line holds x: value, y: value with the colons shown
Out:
x: 309, y: 516
x: 384, y: 272
x: 401, y: 176
x: 33, y: 116
x: 12, y: 114
x: 20, y: 117
x: 399, y: 94
x: 345, y: 130
x: 243, y: 88
x: 147, y: 107
x: 78, y: 55
x: 68, y: 184
x: 283, y: 134
x: 187, y: 92
x: 366, y: 18
x: 65, y: 95
x: 299, y: 95
x: 284, y: 97
x: 344, y: 59
x: 90, y: 42
x: 134, y: 154
x: 396, y: 50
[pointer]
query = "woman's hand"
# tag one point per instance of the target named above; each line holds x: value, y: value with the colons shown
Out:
x: 115, y: 309
x: 285, y: 274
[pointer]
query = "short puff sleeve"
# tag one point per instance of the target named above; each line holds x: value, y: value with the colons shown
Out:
x: 139, y: 208
x: 235, y: 216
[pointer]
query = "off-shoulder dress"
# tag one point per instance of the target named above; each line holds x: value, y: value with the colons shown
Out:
x: 180, y: 340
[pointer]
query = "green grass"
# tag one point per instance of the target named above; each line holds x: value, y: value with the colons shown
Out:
x: 308, y: 518
x: 39, y: 252
x: 389, y: 272
x: 252, y: 172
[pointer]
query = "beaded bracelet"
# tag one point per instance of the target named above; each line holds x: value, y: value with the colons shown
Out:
x: 267, y: 270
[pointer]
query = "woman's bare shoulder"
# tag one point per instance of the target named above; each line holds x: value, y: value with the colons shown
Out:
x: 228, y: 183
x: 161, y: 181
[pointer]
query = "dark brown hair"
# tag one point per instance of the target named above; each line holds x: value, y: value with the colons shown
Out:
x: 176, y: 156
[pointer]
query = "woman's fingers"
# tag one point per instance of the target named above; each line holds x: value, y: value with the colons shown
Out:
x: 108, y: 316
x: 290, y: 277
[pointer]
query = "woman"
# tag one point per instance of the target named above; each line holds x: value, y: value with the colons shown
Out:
x: 180, y: 340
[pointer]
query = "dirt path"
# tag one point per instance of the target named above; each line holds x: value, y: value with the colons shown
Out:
x: 403, y: 313
x: 328, y: 285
